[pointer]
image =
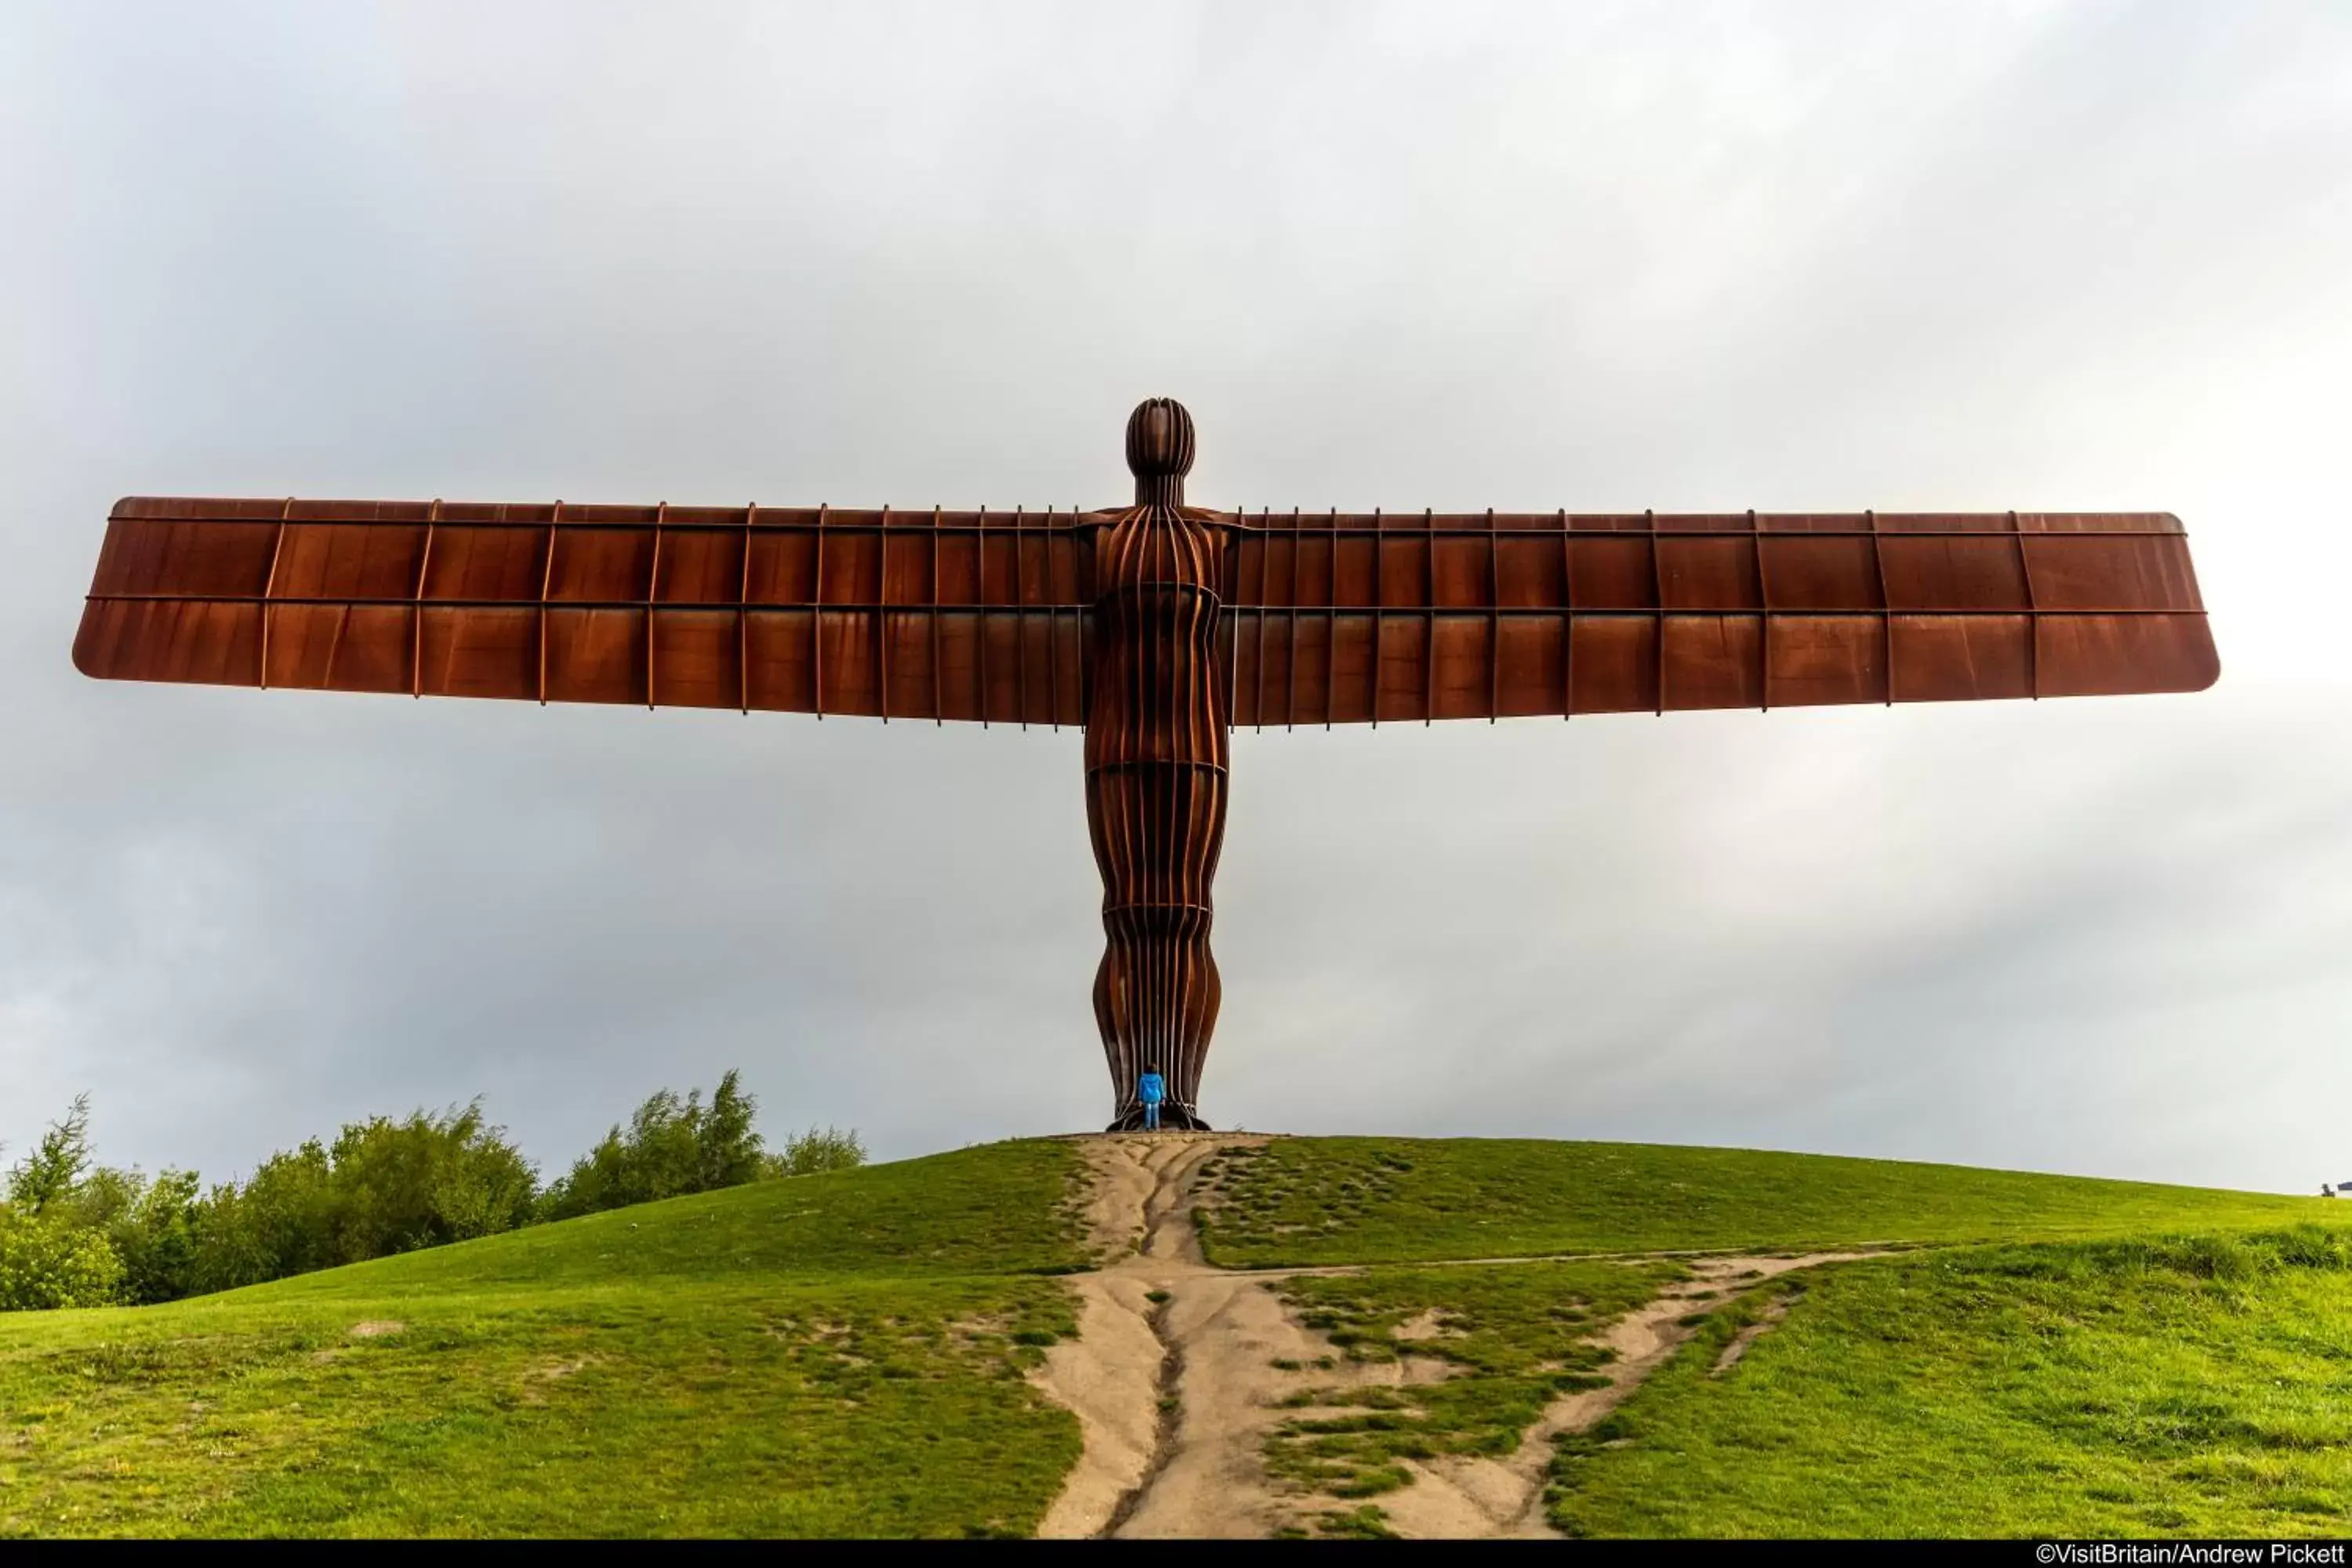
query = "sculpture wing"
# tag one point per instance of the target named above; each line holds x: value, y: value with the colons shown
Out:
x: 1347, y: 617
x: 924, y: 614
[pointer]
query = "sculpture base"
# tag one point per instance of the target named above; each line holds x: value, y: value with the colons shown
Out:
x: 1172, y: 1118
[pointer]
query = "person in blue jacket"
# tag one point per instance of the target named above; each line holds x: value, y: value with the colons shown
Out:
x: 1152, y: 1089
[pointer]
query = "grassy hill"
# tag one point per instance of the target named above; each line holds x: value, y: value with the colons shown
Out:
x: 846, y: 1354
x: 827, y: 1354
x: 1395, y: 1200
x: 2199, y: 1387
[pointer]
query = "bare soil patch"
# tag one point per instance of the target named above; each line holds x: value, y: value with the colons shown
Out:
x: 1181, y: 1371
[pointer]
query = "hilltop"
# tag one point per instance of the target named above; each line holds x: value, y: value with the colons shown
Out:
x: 1376, y: 1334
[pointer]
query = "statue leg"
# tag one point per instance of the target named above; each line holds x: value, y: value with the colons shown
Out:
x: 1158, y: 828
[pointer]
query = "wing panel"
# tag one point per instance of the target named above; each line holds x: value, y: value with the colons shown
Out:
x: 596, y: 655
x: 2109, y: 656
x: 1608, y: 572
x: 157, y: 639
x: 1530, y: 668
x: 601, y: 565
x: 1711, y: 573
x: 697, y: 657
x: 1961, y: 658
x: 1821, y: 659
x: 342, y: 647
x: 2091, y: 571
x: 1488, y: 615
x: 700, y: 566
x: 323, y: 560
x: 1614, y: 664
x: 938, y: 615
x: 478, y: 652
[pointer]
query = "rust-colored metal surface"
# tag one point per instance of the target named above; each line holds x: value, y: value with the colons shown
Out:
x: 1156, y: 765
x: 927, y: 614
x: 1348, y: 618
x: 1158, y: 626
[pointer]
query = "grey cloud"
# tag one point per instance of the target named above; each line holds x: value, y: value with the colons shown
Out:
x: 1518, y: 256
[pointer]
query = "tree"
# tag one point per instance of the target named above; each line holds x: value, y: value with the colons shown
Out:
x: 149, y: 1223
x: 728, y: 1148
x: 383, y: 1187
x: 278, y: 1223
x: 56, y: 1164
x: 426, y: 1182
x: 671, y: 1147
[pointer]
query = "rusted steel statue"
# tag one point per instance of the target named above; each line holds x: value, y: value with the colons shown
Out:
x: 1159, y: 626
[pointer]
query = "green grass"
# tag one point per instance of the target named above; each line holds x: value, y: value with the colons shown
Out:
x: 2198, y: 1387
x: 1397, y: 1200
x: 998, y: 1209
x: 845, y: 1355
x: 834, y: 1354
x: 1513, y: 1337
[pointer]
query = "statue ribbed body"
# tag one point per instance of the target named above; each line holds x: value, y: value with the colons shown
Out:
x: 1156, y: 769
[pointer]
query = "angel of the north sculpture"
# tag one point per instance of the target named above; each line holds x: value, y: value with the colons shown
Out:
x: 1157, y: 626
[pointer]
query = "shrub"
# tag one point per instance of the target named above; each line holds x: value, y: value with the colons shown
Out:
x: 72, y: 1234
x: 45, y: 1264
x: 149, y: 1223
x: 275, y: 1225
x: 818, y: 1149
x: 426, y: 1182
x: 384, y: 1186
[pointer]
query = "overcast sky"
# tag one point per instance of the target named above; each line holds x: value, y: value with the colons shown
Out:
x: 1594, y: 256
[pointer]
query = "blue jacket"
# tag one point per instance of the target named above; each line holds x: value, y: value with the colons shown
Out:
x: 1153, y: 1087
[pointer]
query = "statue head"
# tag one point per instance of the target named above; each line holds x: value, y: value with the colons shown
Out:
x: 1159, y: 448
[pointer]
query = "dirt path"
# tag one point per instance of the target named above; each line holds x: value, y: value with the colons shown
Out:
x: 1173, y: 1383
x: 1457, y: 1497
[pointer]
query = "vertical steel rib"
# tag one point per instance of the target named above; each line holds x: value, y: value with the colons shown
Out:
x: 1886, y: 603
x: 1229, y: 624
x: 1429, y: 597
x: 269, y: 586
x: 980, y: 597
x: 1658, y: 592
x: 937, y: 718
x: 1331, y: 622
x: 1019, y: 625
x: 546, y: 581
x: 1379, y: 612
x: 1567, y: 623
x: 743, y: 614
x: 2032, y: 605
x: 1290, y: 668
x: 1265, y: 548
x: 1052, y: 631
x: 1493, y: 622
x: 1764, y: 608
x: 653, y: 595
x: 816, y: 609
x: 417, y: 604
x: 882, y: 618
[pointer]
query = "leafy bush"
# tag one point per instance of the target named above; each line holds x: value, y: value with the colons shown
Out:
x: 818, y: 1149
x: 73, y: 1235
x: 671, y: 1146
x: 45, y: 1263
x: 383, y: 1187
x: 150, y: 1223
